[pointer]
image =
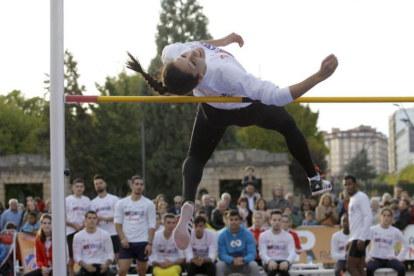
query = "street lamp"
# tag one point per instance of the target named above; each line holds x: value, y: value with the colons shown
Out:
x: 407, y: 120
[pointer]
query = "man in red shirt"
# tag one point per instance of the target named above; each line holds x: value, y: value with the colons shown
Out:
x: 286, y: 224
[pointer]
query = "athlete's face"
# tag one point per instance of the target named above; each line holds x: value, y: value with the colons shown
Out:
x: 192, y: 62
x: 258, y: 220
x: 350, y: 186
x: 199, y: 229
x: 276, y: 222
x: 100, y: 185
x: 78, y: 188
x: 386, y: 218
x: 91, y: 221
x: 137, y: 186
x: 234, y: 223
x: 169, y: 224
x: 345, y: 223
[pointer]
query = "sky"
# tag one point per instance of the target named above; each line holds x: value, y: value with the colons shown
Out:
x: 285, y: 42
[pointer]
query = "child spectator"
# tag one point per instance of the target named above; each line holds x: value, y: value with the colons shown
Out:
x: 249, y: 177
x: 245, y: 213
x: 287, y: 210
x: 31, y: 208
x: 32, y: 225
x: 310, y: 218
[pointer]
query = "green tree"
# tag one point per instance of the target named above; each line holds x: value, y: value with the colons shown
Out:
x: 360, y: 168
x: 407, y: 174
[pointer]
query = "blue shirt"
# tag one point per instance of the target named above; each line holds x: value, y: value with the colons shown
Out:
x: 3, y: 252
x: 28, y: 228
x: 232, y: 246
x: 10, y: 216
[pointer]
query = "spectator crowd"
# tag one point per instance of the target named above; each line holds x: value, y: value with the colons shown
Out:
x: 225, y: 238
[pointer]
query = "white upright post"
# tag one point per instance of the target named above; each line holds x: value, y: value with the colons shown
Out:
x: 57, y: 137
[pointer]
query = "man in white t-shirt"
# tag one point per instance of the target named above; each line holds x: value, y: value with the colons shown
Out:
x: 166, y: 258
x: 201, y: 252
x: 104, y: 205
x: 92, y: 248
x: 76, y: 207
x: 276, y: 247
x: 338, y: 246
x: 135, y: 224
x: 360, y: 219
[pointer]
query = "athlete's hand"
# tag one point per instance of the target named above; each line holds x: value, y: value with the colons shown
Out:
x: 104, y: 268
x: 90, y: 268
x: 233, y: 38
x: 284, y: 266
x: 272, y: 265
x: 360, y: 245
x: 368, y: 260
x: 125, y: 243
x: 328, y: 67
x: 148, y: 251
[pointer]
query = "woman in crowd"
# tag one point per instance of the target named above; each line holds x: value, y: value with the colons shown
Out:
x: 383, y: 239
x: 260, y: 206
x: 244, y: 211
x: 31, y: 208
x: 326, y: 213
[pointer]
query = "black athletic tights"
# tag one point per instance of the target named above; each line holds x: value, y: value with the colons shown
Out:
x: 211, y: 123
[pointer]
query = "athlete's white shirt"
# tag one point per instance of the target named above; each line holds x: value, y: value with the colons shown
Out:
x: 161, y: 228
x: 95, y: 248
x: 105, y: 208
x: 136, y: 217
x: 276, y: 247
x: 205, y: 247
x: 76, y: 209
x: 163, y: 249
x: 383, y: 242
x: 338, y: 245
x: 360, y: 216
x: 226, y: 77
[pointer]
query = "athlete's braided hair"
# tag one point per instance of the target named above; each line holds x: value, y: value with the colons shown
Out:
x: 174, y: 81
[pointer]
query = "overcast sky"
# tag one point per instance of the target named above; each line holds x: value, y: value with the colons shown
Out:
x: 285, y: 42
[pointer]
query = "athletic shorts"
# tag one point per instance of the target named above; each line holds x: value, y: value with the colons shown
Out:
x: 354, y: 252
x: 116, y: 243
x: 69, y: 238
x: 136, y: 250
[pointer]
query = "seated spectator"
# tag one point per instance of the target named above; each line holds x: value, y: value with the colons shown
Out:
x: 32, y: 225
x: 217, y: 215
x: 287, y: 210
x: 237, y: 249
x: 386, y: 197
x: 161, y: 198
x: 405, y: 196
x: 291, y: 198
x: 10, y: 228
x: 260, y: 207
x: 162, y: 208
x: 313, y: 200
x: 92, y: 248
x: 305, y: 206
x: 3, y: 251
x: 245, y: 213
x: 213, y: 201
x: 251, y: 196
x: 40, y: 204
x: 278, y: 202
x: 395, y: 208
x: 166, y: 258
x: 20, y: 208
x: 204, y: 214
x: 48, y: 206
x: 176, y: 208
x: 226, y: 222
x: 276, y: 247
x: 11, y: 215
x: 405, y: 215
x: 286, y: 225
x: 375, y: 211
x: 257, y: 229
x: 309, y: 219
x: 383, y: 239
x: 31, y: 208
x: 343, y: 204
x: 158, y: 225
x: 202, y: 250
x: 205, y: 200
x: 226, y: 197
x: 197, y: 205
x: 338, y: 246
x: 326, y: 212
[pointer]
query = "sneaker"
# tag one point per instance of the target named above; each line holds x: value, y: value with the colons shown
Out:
x: 183, y: 229
x: 320, y: 186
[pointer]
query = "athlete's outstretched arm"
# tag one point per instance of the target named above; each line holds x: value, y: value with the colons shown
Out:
x: 328, y: 67
x: 231, y: 38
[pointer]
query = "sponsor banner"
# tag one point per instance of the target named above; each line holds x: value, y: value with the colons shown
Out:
x: 27, y: 251
x: 409, y: 234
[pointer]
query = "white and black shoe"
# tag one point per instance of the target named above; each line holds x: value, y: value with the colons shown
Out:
x: 320, y: 186
x: 183, y: 229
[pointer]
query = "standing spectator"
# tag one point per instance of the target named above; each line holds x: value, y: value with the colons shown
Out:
x: 76, y: 207
x: 237, y: 249
x: 338, y: 246
x: 92, y: 248
x: 245, y: 213
x: 305, y: 206
x: 384, y: 237
x: 217, y: 215
x: 166, y: 258
x: 226, y: 197
x: 32, y: 225
x: 43, y: 248
x: 326, y: 212
x: 251, y: 196
x: 30, y: 208
x: 201, y: 253
x: 276, y: 247
x: 176, y: 208
x: 204, y: 214
x: 386, y: 197
x: 135, y: 224
x: 213, y: 201
x: 40, y: 204
x: 278, y: 202
x: 291, y: 198
x: 287, y: 210
x: 260, y: 207
x: 309, y: 219
x: 375, y: 211
x: 360, y: 219
x: 48, y: 206
x: 162, y: 208
x: 11, y: 215
x: 398, y: 189
x: 250, y: 177
x: 28, y: 199
x: 257, y: 229
x: 197, y: 205
x: 405, y: 196
x: 286, y: 225
x: 205, y: 200
x: 313, y: 200
x: 104, y: 206
x: 343, y: 204
x: 405, y: 215
x: 1, y: 208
